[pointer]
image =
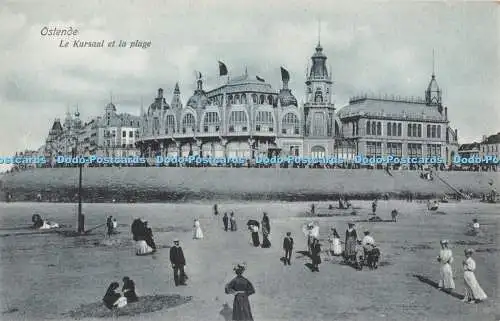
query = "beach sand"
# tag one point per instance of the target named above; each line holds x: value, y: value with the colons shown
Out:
x: 46, y: 276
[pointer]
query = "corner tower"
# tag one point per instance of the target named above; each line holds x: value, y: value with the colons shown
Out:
x: 318, y: 108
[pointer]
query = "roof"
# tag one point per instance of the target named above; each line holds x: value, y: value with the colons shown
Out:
x: 466, y: 147
x: 57, y: 125
x: 403, y: 109
x: 242, y: 84
x: 493, y: 139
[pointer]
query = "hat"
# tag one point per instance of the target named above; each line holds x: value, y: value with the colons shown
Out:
x: 288, y: 233
x: 240, y: 267
x: 469, y: 251
x: 444, y: 242
x: 351, y: 223
x: 176, y: 240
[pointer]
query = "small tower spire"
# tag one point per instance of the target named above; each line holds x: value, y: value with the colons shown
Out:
x: 433, y: 64
x: 111, y: 97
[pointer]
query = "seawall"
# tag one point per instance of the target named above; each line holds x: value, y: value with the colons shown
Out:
x: 154, y: 184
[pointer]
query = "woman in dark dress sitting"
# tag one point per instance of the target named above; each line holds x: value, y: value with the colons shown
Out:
x: 129, y: 290
x: 111, y: 297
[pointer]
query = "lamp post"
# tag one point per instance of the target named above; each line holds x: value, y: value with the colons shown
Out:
x: 81, y: 217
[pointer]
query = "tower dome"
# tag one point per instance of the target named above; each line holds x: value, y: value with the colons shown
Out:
x: 160, y: 103
x: 199, y: 98
x: 433, y: 93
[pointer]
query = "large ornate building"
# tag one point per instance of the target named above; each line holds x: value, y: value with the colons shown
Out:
x: 246, y: 117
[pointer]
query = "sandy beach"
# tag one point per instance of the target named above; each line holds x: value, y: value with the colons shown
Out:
x: 47, y: 276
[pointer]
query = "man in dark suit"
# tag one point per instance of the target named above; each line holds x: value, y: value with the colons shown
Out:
x: 178, y: 262
x: 225, y: 220
x: 288, y: 247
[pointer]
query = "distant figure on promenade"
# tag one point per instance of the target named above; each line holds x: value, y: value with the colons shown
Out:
x: 216, y: 210
x: 445, y: 258
x: 351, y: 237
x: 374, y: 206
x: 197, y: 232
x: 255, y: 235
x: 109, y: 225
x: 112, y: 299
x: 394, y: 215
x: 178, y: 262
x: 225, y: 220
x: 266, y: 230
x: 148, y: 236
x: 288, y: 248
x: 313, y: 209
x: 232, y: 222
x: 473, y: 291
x: 129, y: 290
x: 334, y: 240
x: 241, y: 288
x: 315, y: 255
x: 115, y: 225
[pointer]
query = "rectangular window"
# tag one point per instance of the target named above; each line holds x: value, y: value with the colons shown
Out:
x: 257, y: 128
x: 205, y: 129
x: 271, y: 129
x: 283, y: 131
x: 124, y: 134
x: 244, y: 128
x: 409, y: 130
x: 231, y: 128
x: 130, y: 134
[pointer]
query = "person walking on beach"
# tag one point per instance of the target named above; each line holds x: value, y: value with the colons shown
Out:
x: 178, y: 262
x: 394, y: 215
x: 216, y: 210
x: 197, y: 232
x: 266, y: 229
x: 225, y: 220
x: 374, y: 206
x: 232, y: 222
x: 241, y: 288
x: 255, y: 235
x: 473, y: 291
x: 350, y: 243
x: 109, y: 225
x: 148, y: 236
x: 288, y: 248
x: 446, y: 258
x: 334, y: 240
x: 315, y: 255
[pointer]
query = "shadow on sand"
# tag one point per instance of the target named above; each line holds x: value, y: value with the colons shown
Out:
x: 146, y: 304
x: 435, y: 285
x: 226, y: 312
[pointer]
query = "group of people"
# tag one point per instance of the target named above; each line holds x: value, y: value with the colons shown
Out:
x: 359, y: 252
x: 229, y: 222
x: 265, y: 226
x: 143, y: 236
x: 111, y: 225
x: 112, y: 299
x: 473, y: 291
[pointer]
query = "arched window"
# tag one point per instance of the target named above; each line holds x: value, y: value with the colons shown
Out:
x: 254, y: 98
x: 264, y: 118
x: 433, y: 131
x: 230, y: 99
x: 211, y: 122
x: 414, y: 130
x: 394, y: 129
x: 270, y: 100
x: 368, y: 128
x: 400, y: 130
x: 419, y: 130
x: 428, y: 131
x: 438, y: 131
x: 318, y: 96
x: 236, y: 99
x: 318, y: 151
x: 290, y: 124
x: 379, y: 128
x: 238, y: 121
x: 409, y: 130
x: 188, y: 123
x: 243, y: 98
x: 389, y: 129
x: 170, y: 124
x: 374, y: 128
x: 262, y: 99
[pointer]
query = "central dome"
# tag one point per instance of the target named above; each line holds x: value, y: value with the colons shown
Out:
x: 198, y: 100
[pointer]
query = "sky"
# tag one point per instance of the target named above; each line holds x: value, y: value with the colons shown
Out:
x: 372, y: 47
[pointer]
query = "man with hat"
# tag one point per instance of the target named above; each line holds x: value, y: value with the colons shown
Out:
x: 288, y: 247
x: 178, y: 262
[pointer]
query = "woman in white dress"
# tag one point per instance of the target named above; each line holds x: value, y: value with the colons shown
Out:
x: 334, y: 239
x: 197, y: 232
x: 446, y: 258
x: 473, y: 291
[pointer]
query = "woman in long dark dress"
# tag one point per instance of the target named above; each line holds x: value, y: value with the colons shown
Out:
x: 111, y: 297
x: 266, y: 229
x: 242, y: 289
x: 350, y: 243
x: 129, y: 290
x: 315, y: 255
x: 255, y: 235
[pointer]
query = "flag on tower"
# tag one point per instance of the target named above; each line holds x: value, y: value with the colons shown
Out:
x: 222, y: 69
x: 259, y: 79
x: 285, y: 76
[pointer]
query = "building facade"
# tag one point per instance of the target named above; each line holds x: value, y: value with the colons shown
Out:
x: 246, y: 117
x: 490, y: 146
x: 111, y: 134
